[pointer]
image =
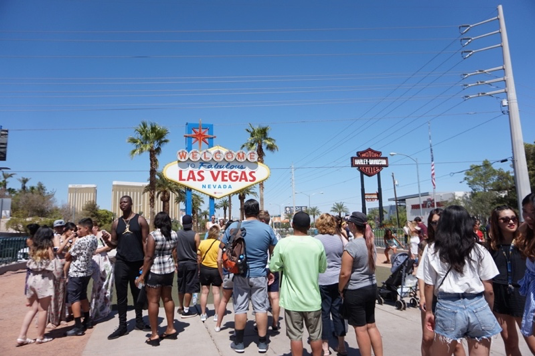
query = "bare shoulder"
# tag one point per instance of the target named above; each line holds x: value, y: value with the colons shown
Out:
x: 142, y: 220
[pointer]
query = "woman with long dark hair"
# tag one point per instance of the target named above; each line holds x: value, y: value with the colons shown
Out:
x: 358, y: 286
x: 459, y: 272
x: 527, y: 247
x: 508, y: 303
x: 159, y: 265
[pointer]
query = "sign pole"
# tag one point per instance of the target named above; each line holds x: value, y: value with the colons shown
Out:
x: 362, y: 193
x: 380, y: 196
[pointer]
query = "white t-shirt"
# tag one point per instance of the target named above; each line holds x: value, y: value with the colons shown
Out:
x: 415, y: 240
x: 479, y: 267
x: 420, y: 270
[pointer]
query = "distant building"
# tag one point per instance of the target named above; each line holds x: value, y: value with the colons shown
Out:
x: 140, y: 200
x: 412, y: 202
x: 79, y: 195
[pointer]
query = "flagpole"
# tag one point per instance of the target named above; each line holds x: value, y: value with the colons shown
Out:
x: 432, y: 166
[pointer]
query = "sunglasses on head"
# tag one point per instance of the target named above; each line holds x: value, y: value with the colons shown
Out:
x: 506, y: 219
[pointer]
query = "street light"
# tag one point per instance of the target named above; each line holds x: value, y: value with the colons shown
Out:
x: 417, y: 177
x: 308, y: 195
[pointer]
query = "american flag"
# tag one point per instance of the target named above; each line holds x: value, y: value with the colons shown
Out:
x: 432, y: 160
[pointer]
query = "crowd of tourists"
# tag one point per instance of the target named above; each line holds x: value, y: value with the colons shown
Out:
x: 470, y: 288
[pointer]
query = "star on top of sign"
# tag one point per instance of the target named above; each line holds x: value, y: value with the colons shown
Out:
x: 200, y: 135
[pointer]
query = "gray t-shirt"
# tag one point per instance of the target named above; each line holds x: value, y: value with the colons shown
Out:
x: 334, y: 248
x: 361, y: 275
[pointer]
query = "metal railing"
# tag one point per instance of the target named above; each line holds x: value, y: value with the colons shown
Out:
x: 13, y: 249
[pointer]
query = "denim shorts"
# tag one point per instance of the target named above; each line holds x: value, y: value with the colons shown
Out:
x: 464, y: 315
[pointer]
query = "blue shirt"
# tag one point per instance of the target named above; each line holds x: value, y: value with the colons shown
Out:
x: 258, y: 238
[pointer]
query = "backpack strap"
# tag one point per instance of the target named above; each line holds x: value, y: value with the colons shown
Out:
x: 215, y: 240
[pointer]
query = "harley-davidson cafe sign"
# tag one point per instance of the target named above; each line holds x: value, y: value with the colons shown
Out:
x: 217, y: 171
x: 369, y: 162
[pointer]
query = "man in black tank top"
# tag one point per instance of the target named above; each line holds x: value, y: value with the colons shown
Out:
x: 128, y: 234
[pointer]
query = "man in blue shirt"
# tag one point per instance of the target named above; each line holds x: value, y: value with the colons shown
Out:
x: 252, y: 286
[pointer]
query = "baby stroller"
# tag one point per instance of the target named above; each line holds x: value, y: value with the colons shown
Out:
x: 401, y: 283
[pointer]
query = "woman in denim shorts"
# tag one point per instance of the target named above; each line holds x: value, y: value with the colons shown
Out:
x: 159, y: 266
x: 459, y: 272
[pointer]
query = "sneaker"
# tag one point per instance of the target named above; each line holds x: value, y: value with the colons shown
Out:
x: 75, y: 332
x: 120, y: 331
x: 217, y: 329
x: 189, y: 314
x: 262, y: 347
x: 203, y: 317
x: 140, y: 325
x: 239, y: 348
x: 215, y: 318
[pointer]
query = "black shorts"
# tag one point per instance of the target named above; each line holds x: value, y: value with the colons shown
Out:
x: 77, y: 289
x: 359, y: 305
x: 275, y: 286
x: 160, y: 280
x: 187, y: 277
x: 210, y: 276
x: 506, y: 302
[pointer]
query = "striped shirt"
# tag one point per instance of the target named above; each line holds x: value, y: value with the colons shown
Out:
x: 163, y: 252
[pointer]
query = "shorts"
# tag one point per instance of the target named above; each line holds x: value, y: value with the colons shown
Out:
x: 506, y: 302
x: 275, y: 286
x: 210, y: 276
x: 253, y: 289
x: 228, y: 281
x: 77, y: 289
x: 294, y: 324
x: 464, y: 315
x: 187, y: 277
x: 392, y: 244
x: 359, y: 305
x: 160, y: 280
x: 40, y: 284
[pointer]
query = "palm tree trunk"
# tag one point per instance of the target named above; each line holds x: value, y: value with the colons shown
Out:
x: 261, y: 195
x: 230, y: 207
x: 152, y: 185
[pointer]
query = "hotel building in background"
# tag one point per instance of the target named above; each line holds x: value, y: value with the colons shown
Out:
x: 79, y: 195
x: 140, y: 200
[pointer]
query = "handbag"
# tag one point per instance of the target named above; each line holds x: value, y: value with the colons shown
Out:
x: 142, y: 300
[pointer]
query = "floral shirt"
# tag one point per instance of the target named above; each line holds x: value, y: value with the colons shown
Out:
x: 82, y: 252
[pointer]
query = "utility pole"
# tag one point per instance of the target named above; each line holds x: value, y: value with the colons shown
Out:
x: 519, y: 154
x: 293, y: 188
x: 395, y: 199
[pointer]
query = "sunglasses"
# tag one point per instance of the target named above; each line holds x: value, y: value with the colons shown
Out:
x: 506, y: 219
x: 434, y: 222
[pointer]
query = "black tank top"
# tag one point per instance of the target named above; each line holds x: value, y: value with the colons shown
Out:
x: 186, y: 248
x: 129, y: 241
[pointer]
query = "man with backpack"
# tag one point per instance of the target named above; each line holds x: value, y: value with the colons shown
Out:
x: 258, y: 239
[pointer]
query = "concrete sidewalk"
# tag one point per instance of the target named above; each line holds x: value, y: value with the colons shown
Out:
x: 401, y: 332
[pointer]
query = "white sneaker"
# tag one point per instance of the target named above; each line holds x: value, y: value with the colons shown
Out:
x: 215, y: 318
x: 203, y: 317
x: 217, y: 329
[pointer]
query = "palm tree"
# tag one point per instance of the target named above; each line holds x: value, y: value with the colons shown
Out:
x: 3, y: 183
x: 223, y: 204
x: 314, y: 211
x: 257, y: 141
x: 164, y: 188
x: 339, y: 208
x: 196, y: 202
x: 242, y: 194
x: 23, y: 181
x: 150, y: 137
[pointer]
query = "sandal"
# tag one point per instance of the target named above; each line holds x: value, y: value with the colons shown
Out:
x: 43, y: 340
x: 151, y: 342
x: 172, y: 336
x: 22, y: 342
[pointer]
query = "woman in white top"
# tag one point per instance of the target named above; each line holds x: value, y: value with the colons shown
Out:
x: 414, y: 240
x: 459, y: 272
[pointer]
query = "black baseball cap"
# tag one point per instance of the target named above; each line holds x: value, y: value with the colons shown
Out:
x: 358, y: 218
x: 301, y: 220
x: 187, y: 222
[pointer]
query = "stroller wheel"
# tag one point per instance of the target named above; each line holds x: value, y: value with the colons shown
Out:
x: 403, y: 305
x: 413, y: 303
x: 380, y: 300
x: 399, y: 305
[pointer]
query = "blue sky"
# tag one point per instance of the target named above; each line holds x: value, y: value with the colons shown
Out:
x: 329, y: 77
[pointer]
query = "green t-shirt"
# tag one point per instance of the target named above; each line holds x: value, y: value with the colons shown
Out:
x: 301, y: 259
